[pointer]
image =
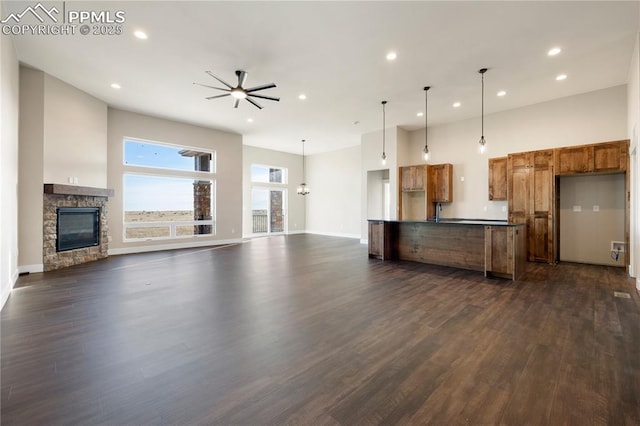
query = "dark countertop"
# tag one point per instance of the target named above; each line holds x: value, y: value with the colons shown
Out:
x: 455, y: 221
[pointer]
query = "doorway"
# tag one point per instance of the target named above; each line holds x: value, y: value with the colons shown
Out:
x: 268, y: 211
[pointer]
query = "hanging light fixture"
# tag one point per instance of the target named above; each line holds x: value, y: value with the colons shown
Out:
x: 425, y: 151
x: 384, y: 155
x: 482, y: 142
x: 303, y: 189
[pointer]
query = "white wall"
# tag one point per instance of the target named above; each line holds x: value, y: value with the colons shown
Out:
x: 9, y: 111
x: 228, y: 148
x: 295, y: 216
x: 75, y: 135
x: 335, y: 181
x: 62, y: 134
x: 633, y: 124
x: 587, y: 118
x: 30, y: 180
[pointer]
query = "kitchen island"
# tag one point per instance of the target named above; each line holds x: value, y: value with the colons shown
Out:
x: 490, y: 246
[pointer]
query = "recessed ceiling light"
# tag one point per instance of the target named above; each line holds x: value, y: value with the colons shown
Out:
x: 456, y: 104
x: 501, y: 93
x: 302, y: 96
x: 420, y: 114
x: 391, y: 56
x: 250, y: 120
x: 561, y: 77
x: 115, y: 85
x: 554, y: 51
x: 140, y: 34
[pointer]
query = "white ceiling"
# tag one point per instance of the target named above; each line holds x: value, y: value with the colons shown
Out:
x: 334, y: 52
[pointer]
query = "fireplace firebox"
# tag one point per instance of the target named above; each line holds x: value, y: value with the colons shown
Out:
x: 77, y: 227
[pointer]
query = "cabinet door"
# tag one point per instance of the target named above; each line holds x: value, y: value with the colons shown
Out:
x: 406, y: 178
x: 498, y: 178
x: 574, y: 160
x: 542, y: 207
x: 442, y: 183
x: 518, y: 186
x: 418, y: 177
x: 541, y: 238
x: 610, y: 157
x: 376, y: 239
x: 412, y: 178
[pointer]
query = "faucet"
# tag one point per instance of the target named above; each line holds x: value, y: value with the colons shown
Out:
x: 438, y: 210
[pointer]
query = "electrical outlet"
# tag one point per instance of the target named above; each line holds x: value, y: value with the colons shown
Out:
x: 617, y: 246
x: 504, y: 208
x: 577, y: 208
x: 596, y: 208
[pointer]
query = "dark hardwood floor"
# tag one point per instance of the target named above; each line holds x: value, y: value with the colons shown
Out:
x: 307, y: 330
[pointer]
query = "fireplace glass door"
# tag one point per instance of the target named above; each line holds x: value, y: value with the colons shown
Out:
x: 78, y: 227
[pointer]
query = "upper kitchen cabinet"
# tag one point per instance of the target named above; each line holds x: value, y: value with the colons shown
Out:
x: 441, y: 183
x: 412, y: 178
x: 608, y: 157
x: 498, y: 179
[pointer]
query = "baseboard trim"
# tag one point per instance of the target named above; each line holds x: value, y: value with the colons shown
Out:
x: 162, y: 247
x: 31, y: 269
x: 335, y: 234
x: 301, y: 231
x: 5, y: 297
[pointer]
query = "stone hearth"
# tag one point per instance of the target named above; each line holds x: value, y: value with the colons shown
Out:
x: 73, y: 196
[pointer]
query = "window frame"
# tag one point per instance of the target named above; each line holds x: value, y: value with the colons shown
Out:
x: 169, y: 173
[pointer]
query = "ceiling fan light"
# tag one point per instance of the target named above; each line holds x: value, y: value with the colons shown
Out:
x: 238, y: 93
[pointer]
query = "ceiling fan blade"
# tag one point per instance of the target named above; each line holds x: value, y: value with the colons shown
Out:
x: 236, y: 104
x: 254, y: 103
x: 264, y: 86
x: 242, y: 77
x: 219, y: 79
x: 213, y: 87
x: 271, y: 98
x: 218, y: 96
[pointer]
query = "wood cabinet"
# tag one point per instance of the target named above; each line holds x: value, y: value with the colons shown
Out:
x: 383, y: 236
x: 440, y: 183
x: 505, y: 250
x: 412, y: 178
x: 498, y: 179
x: 531, y: 197
x: 608, y: 157
x: 420, y: 187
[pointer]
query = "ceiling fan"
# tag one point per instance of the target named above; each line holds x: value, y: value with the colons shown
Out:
x: 240, y: 92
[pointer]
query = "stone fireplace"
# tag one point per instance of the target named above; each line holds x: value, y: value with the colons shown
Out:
x: 85, y: 199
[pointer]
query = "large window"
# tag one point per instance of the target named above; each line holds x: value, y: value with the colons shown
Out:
x: 168, y: 191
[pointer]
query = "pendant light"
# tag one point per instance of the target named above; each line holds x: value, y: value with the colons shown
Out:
x: 384, y: 155
x: 303, y: 189
x: 482, y: 142
x: 425, y: 151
